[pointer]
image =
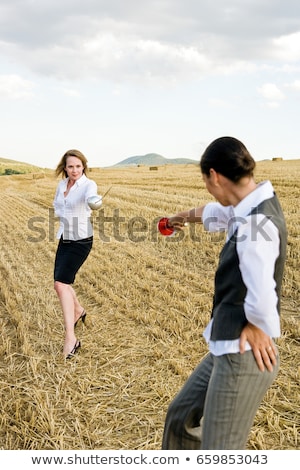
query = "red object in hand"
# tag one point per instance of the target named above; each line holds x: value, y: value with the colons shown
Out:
x: 164, y: 228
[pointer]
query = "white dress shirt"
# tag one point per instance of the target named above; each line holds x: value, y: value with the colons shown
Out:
x: 257, y: 248
x: 73, y: 210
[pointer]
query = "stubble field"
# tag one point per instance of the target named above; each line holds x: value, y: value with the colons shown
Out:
x: 148, y: 299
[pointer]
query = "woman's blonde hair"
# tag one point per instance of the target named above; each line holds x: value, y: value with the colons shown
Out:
x: 60, y: 169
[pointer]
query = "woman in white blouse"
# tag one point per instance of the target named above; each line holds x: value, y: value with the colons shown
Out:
x: 75, y: 234
x: 216, y: 406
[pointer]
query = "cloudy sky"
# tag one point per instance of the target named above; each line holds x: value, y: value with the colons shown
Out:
x: 119, y: 78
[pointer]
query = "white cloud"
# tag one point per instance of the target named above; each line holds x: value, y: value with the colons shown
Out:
x: 150, y: 42
x: 287, y: 47
x: 107, y: 56
x: 15, y: 87
x: 295, y: 85
x: 272, y: 94
x: 147, y: 71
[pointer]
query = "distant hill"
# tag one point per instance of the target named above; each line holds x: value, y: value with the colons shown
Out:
x: 152, y: 159
x: 10, y: 167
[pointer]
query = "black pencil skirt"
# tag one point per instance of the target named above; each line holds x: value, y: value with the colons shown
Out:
x: 70, y: 256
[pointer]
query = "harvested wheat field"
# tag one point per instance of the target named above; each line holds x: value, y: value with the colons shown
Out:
x: 148, y: 299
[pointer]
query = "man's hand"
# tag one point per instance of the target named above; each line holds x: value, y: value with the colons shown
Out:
x: 263, y: 347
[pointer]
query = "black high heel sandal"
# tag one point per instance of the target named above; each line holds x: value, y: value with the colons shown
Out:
x: 82, y: 318
x: 74, y: 350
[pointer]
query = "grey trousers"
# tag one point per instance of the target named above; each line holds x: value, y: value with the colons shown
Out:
x: 216, y: 407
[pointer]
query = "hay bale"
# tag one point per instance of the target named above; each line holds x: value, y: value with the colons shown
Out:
x: 151, y: 168
x: 38, y: 176
x: 277, y: 159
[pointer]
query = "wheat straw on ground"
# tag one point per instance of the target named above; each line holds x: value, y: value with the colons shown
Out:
x: 148, y: 299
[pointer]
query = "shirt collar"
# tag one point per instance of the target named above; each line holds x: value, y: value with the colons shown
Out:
x: 79, y: 182
x: 263, y: 191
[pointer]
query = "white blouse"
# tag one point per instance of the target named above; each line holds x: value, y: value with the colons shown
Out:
x: 73, y: 210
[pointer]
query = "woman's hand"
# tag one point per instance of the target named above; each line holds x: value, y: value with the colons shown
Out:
x: 95, y: 202
x: 177, y: 222
x: 182, y: 219
x: 263, y: 347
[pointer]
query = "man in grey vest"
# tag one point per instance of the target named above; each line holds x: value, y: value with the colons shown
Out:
x: 216, y: 407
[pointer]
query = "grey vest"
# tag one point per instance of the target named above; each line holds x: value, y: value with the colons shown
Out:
x: 230, y: 291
